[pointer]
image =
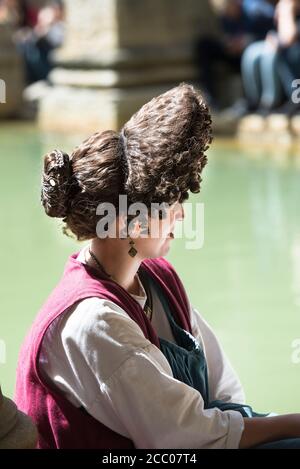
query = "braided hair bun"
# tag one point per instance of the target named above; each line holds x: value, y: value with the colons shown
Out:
x: 56, y: 184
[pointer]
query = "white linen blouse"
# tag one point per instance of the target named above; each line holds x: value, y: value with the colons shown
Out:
x: 99, y: 358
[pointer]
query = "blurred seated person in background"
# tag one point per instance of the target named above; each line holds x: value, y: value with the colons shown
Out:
x: 288, y: 40
x: 270, y: 66
x: 36, y: 44
x: 242, y: 22
x: 18, y: 13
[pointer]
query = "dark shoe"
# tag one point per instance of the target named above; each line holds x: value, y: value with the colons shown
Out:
x: 263, y: 112
x: 239, y: 109
x: 288, y: 108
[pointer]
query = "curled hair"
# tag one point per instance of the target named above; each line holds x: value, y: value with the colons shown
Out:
x: 157, y: 157
x: 57, y: 183
x: 166, y: 141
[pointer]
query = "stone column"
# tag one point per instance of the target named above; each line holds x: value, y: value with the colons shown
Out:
x: 11, y: 75
x: 117, y: 55
x: 17, y: 431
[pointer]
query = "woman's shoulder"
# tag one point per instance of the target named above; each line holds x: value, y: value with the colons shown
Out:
x: 97, y: 319
x: 91, y: 329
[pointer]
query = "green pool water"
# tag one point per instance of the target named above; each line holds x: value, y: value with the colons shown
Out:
x: 245, y: 279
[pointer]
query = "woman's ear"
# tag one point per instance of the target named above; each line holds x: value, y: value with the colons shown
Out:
x: 121, y: 223
x: 135, y: 228
x: 132, y: 228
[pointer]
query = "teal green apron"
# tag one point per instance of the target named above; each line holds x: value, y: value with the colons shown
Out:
x: 187, y: 359
x: 188, y: 364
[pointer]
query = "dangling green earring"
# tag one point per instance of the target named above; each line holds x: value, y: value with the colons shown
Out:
x: 132, y: 251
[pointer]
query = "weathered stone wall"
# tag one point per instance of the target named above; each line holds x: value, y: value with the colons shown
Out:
x: 99, y: 30
x: 117, y: 55
x: 11, y: 72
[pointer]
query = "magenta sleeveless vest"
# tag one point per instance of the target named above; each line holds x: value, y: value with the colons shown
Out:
x: 61, y: 424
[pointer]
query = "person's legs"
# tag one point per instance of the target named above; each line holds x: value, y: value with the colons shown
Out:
x: 35, y: 55
x: 35, y: 66
x: 289, y: 67
x: 272, y: 93
x: 250, y: 68
x: 27, y: 51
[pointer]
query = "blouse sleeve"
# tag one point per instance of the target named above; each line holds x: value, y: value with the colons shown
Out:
x: 125, y: 382
x: 224, y: 383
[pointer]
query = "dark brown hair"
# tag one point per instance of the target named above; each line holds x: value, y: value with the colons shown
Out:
x: 157, y: 157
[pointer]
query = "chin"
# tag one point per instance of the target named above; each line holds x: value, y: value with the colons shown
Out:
x: 159, y: 253
x: 159, y: 249
x: 164, y: 250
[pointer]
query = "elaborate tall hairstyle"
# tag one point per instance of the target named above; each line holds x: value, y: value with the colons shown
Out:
x: 157, y: 157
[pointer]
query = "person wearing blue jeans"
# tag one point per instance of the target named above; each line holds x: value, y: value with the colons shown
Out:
x: 270, y: 66
x: 242, y: 22
x: 260, y: 74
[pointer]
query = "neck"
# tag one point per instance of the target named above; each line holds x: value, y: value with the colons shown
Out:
x: 112, y: 253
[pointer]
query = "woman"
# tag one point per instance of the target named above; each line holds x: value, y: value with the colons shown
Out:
x: 118, y: 357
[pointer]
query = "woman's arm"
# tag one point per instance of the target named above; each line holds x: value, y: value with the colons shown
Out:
x: 259, y: 430
x: 286, y: 21
x: 225, y: 385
